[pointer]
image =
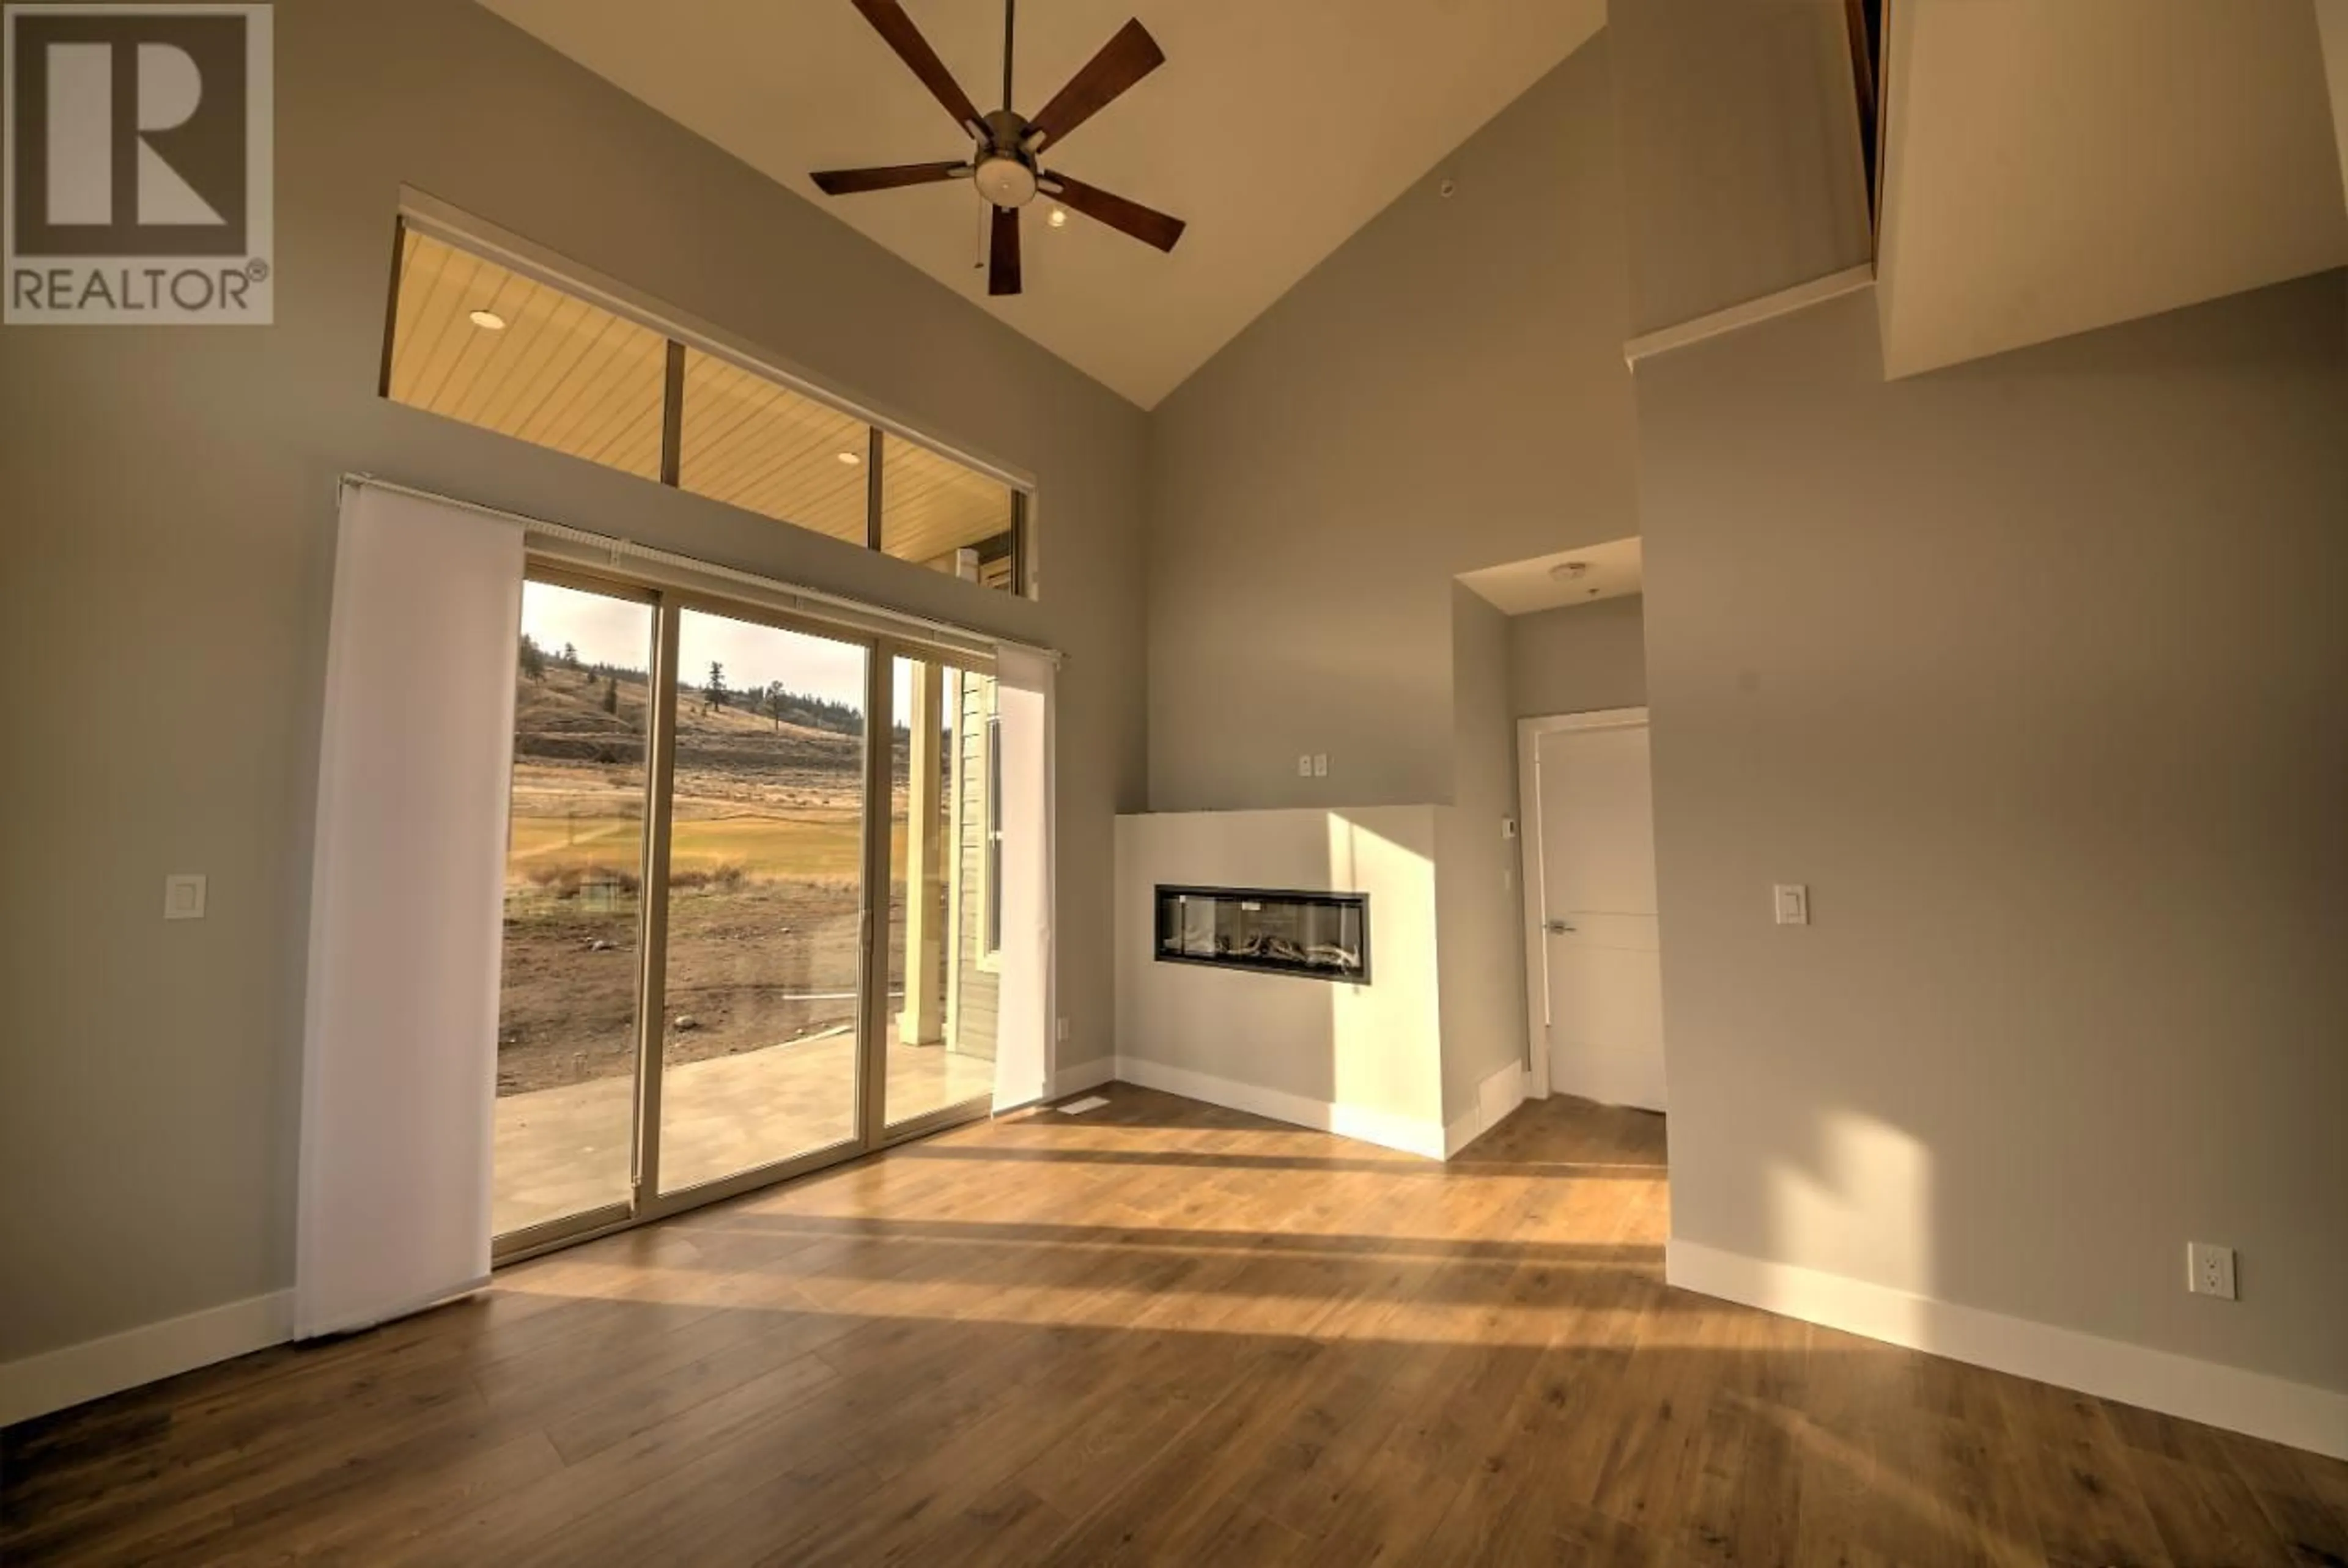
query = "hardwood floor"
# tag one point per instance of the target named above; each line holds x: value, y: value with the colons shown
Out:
x: 1158, y: 1333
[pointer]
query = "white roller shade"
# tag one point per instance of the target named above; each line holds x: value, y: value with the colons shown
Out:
x: 399, y: 1039
x: 1023, y: 1025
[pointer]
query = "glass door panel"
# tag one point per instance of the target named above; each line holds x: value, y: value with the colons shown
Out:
x: 567, y: 1004
x: 764, y: 959
x: 939, y: 1033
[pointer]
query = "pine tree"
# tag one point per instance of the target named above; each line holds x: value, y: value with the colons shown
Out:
x: 611, y: 695
x: 774, y: 704
x: 533, y: 661
x: 715, y: 691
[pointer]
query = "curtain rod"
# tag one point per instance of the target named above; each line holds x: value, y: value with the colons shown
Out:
x: 620, y: 550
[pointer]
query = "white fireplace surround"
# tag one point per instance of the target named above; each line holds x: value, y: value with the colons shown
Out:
x: 1370, y: 1060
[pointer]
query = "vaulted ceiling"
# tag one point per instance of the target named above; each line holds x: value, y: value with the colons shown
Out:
x: 1276, y: 128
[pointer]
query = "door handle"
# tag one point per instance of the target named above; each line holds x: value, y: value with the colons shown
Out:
x: 1556, y: 928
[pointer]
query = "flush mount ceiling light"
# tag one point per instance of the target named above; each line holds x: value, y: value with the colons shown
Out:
x: 489, y: 320
x: 1007, y: 147
x: 1569, y: 571
x: 850, y: 459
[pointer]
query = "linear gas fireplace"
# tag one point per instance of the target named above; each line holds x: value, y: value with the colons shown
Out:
x: 1324, y: 934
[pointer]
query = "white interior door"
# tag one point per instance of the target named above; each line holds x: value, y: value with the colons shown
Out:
x: 1600, y: 949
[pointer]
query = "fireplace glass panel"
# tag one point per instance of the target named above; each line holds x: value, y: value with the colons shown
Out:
x: 1324, y: 934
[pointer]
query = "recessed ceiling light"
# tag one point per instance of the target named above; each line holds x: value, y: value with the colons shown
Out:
x: 1059, y: 218
x: 850, y: 459
x: 490, y: 320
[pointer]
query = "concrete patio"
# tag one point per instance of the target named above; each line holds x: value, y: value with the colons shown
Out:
x: 565, y: 1150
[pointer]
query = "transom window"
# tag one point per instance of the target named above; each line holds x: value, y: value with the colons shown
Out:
x: 475, y: 340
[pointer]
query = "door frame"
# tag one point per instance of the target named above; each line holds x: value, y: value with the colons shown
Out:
x: 877, y: 1132
x: 873, y: 1131
x: 1536, y: 884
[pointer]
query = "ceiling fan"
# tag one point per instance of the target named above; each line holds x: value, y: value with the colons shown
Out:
x: 1004, y: 162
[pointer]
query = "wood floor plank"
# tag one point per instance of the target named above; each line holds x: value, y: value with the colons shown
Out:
x: 1161, y: 1332
x: 2206, y: 1518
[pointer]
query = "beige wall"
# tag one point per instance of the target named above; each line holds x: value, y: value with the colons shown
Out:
x: 1480, y: 906
x: 1446, y: 391
x: 1740, y: 145
x: 2331, y: 21
x: 168, y: 501
x: 2015, y: 215
x: 2034, y: 670
x: 1578, y: 659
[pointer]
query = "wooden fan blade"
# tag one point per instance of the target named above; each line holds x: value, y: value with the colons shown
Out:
x: 1145, y: 224
x: 1002, y: 253
x: 1124, y: 60
x: 897, y: 29
x: 848, y: 181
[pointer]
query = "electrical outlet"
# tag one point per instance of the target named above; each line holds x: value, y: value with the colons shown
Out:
x: 2209, y: 1269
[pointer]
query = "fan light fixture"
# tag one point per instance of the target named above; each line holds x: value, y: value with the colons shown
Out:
x: 850, y: 459
x: 489, y: 320
x: 1006, y: 147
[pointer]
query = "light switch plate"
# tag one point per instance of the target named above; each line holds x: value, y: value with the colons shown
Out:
x: 183, y: 897
x: 1320, y: 765
x: 1792, y: 903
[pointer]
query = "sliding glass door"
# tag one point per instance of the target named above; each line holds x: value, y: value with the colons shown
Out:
x: 567, y: 1034
x: 754, y: 902
x: 763, y: 997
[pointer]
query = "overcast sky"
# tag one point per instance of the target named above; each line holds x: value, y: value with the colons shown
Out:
x: 615, y: 631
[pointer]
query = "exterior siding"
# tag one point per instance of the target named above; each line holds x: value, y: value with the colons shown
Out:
x: 973, y: 986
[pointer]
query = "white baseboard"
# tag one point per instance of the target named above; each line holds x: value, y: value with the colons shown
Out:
x: 1497, y: 1094
x: 1083, y: 1075
x: 38, y: 1385
x: 2219, y: 1396
x: 1461, y: 1131
x: 1382, y: 1128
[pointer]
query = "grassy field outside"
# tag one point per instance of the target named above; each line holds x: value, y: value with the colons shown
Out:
x: 764, y: 862
x: 818, y: 844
